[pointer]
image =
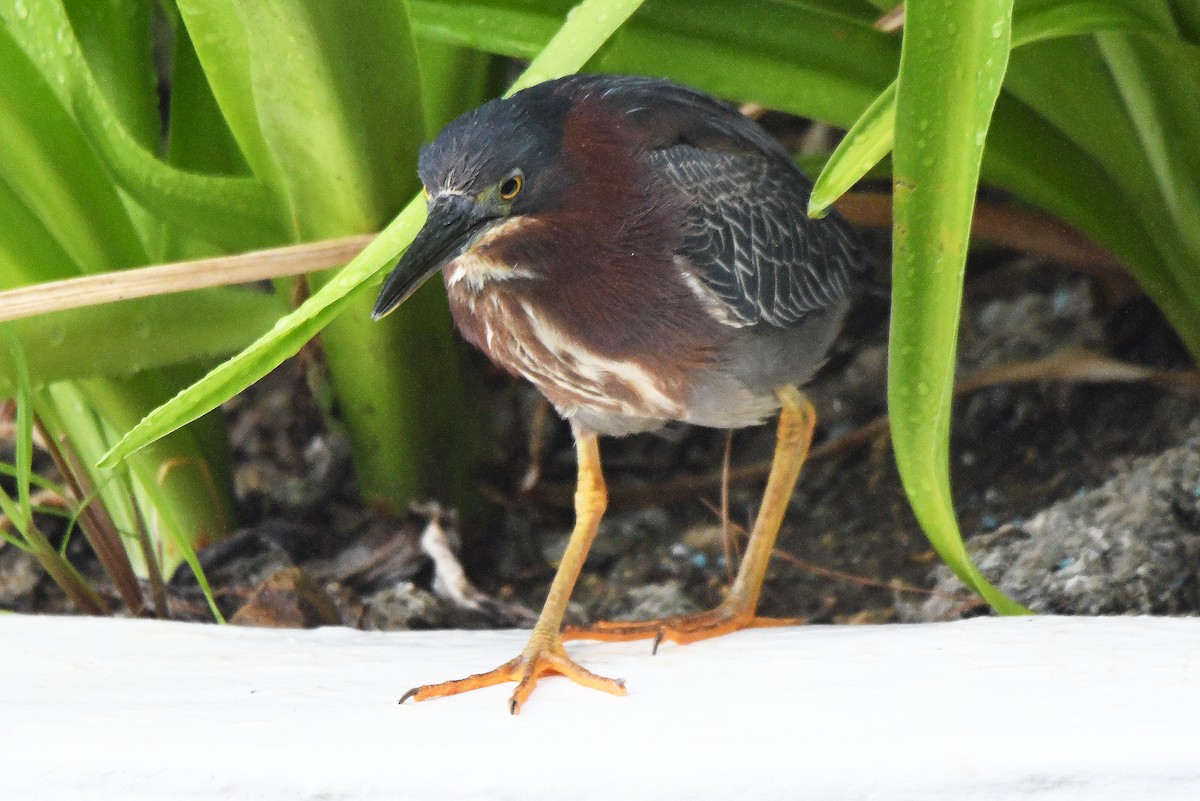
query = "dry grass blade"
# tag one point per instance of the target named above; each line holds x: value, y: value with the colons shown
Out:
x: 1015, y: 227
x: 1010, y: 226
x: 164, y: 279
x: 98, y: 527
x: 893, y: 21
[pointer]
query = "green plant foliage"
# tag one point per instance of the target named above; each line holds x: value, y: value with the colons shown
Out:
x: 1085, y: 108
x: 142, y: 334
x: 20, y: 511
x: 582, y: 34
x: 345, y: 114
x: 65, y: 216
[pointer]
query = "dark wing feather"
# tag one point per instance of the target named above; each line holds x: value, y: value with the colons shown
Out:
x: 747, y: 237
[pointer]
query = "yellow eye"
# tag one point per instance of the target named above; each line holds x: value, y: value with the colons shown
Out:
x: 511, y: 186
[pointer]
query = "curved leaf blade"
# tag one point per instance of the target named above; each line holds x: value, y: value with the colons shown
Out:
x: 864, y: 145
x: 942, y: 117
x: 873, y: 133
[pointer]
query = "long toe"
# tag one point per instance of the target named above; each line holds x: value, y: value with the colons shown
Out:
x: 678, y: 628
x: 525, y: 669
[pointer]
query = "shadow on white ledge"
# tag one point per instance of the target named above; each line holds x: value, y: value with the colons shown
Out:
x: 1045, y: 708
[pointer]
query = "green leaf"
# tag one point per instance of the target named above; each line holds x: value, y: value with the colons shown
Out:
x: 20, y: 513
x: 872, y: 135
x: 1165, y: 114
x: 789, y: 56
x: 864, y: 145
x: 345, y: 114
x: 48, y: 166
x: 115, y: 38
x: 281, y: 342
x: 142, y: 334
x: 218, y: 207
x: 218, y: 36
x: 336, y: 116
x: 1071, y: 84
x: 236, y: 213
x: 942, y: 118
x: 198, y: 140
x: 581, y: 35
x: 453, y: 81
x: 1038, y: 20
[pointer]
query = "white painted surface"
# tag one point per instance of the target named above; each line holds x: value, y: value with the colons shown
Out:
x: 1048, y: 708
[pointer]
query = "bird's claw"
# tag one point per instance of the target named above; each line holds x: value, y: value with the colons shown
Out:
x: 536, y: 661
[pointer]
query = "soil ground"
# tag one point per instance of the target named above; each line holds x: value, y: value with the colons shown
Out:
x: 308, y: 553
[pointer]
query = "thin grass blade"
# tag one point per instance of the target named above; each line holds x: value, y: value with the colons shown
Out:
x: 864, y: 145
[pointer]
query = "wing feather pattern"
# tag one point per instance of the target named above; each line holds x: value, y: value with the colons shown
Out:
x: 746, y: 234
x: 748, y: 239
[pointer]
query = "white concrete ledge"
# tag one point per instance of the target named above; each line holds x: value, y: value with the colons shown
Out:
x: 1048, y: 708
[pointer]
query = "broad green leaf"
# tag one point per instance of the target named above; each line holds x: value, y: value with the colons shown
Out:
x: 237, y: 213
x: 218, y: 36
x: 872, y: 135
x: 453, y: 81
x: 1037, y: 20
x: 29, y: 252
x: 198, y: 140
x: 1187, y: 17
x: 1165, y: 131
x: 142, y: 334
x: 583, y: 32
x: 341, y: 116
x: 116, y: 41
x: 1071, y: 85
x: 49, y: 166
x: 218, y: 207
x: 336, y: 116
x: 787, y: 56
x: 942, y: 117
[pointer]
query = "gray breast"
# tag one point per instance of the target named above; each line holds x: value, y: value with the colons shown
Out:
x: 740, y: 390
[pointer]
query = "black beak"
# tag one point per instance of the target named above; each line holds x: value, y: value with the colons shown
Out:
x: 451, y: 227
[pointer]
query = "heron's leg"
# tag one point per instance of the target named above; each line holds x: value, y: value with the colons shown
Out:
x: 544, y: 654
x: 797, y: 418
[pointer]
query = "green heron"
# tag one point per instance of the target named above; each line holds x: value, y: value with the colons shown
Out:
x: 639, y: 251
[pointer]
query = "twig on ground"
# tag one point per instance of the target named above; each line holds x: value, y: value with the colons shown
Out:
x: 894, y: 585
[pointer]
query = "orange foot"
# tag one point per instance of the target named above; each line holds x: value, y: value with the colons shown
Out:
x: 681, y: 629
x: 536, y: 661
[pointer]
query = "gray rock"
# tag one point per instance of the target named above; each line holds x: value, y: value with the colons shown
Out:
x: 1129, y: 547
x: 407, y: 606
x: 653, y: 601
